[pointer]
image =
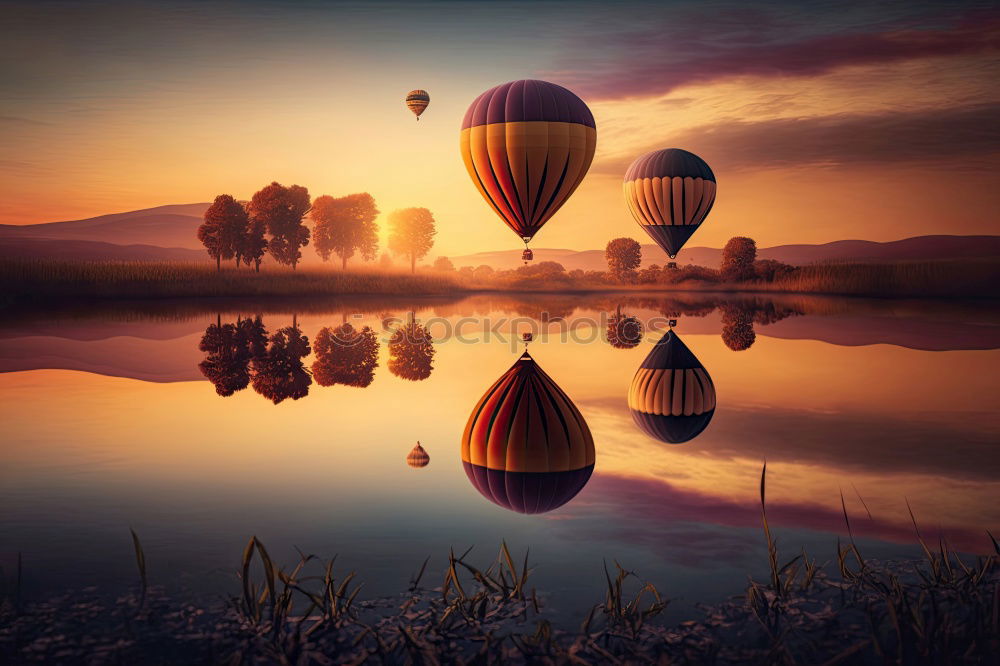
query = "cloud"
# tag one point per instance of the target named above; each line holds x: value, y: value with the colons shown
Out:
x: 696, y: 50
x: 957, y: 138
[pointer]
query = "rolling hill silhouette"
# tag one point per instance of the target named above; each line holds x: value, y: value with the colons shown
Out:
x: 169, y: 233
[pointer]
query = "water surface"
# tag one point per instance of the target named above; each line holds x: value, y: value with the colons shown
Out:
x: 110, y: 423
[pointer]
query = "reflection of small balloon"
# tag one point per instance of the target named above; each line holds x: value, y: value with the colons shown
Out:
x: 669, y: 193
x: 527, y: 146
x: 672, y: 397
x: 417, y: 101
x: 417, y: 457
x: 526, y: 446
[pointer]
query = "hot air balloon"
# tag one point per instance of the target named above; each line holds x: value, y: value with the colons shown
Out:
x: 417, y: 101
x: 417, y: 457
x: 669, y: 193
x: 527, y: 145
x: 672, y: 397
x: 526, y: 446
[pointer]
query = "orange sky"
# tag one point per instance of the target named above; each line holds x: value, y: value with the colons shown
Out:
x: 820, y: 126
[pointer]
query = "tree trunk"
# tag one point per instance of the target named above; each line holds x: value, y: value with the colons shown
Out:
x: 413, y: 263
x: 218, y: 263
x: 343, y: 264
x: 237, y: 262
x: 256, y: 265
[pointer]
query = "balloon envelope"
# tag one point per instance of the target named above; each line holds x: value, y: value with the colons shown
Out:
x: 527, y: 146
x: 417, y: 457
x: 672, y: 397
x: 526, y: 446
x: 417, y: 101
x: 669, y: 193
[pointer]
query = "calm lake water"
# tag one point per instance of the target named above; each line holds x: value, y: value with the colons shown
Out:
x: 108, y: 422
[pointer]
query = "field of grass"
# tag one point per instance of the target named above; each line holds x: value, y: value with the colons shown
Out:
x: 48, y: 280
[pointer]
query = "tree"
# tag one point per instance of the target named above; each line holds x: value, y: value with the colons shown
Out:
x: 411, y: 352
x: 770, y: 270
x: 443, y: 264
x: 737, y: 259
x: 345, y: 355
x: 385, y: 261
x: 345, y: 225
x: 224, y: 226
x: 281, y: 210
x: 623, y: 256
x: 278, y: 372
x: 411, y: 233
x: 254, y: 243
x: 483, y: 272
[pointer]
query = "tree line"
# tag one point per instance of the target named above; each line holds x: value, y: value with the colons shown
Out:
x: 273, y: 222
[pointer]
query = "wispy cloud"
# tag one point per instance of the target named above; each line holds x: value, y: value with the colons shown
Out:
x: 959, y: 138
x: 671, y: 52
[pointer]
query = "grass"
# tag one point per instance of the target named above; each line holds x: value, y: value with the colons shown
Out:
x: 35, y: 280
x: 941, y: 609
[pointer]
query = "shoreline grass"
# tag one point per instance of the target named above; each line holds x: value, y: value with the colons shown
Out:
x: 31, y: 280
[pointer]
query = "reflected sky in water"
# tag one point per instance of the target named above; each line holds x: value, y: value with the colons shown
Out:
x: 110, y: 423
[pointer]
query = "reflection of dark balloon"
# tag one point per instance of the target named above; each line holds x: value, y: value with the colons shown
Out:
x: 345, y: 355
x: 278, y: 373
x: 417, y: 457
x: 737, y: 327
x: 624, y: 331
x: 669, y: 193
x: 672, y: 397
x: 229, y: 348
x: 411, y: 352
x: 526, y: 446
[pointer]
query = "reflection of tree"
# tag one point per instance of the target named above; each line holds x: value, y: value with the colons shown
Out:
x: 624, y: 331
x: 739, y: 317
x: 229, y: 349
x: 278, y: 372
x: 411, y: 352
x: 345, y: 355
x: 737, y: 327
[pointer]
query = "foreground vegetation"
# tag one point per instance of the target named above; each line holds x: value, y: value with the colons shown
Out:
x: 941, y: 609
x: 33, y: 280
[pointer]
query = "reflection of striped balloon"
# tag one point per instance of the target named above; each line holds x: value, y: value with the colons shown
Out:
x: 526, y: 446
x: 527, y: 145
x: 672, y: 397
x: 669, y: 193
x: 417, y: 101
x: 417, y: 457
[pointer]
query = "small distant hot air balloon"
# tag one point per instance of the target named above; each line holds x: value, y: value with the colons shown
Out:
x: 672, y: 397
x: 669, y: 193
x: 417, y: 101
x: 417, y: 457
x: 526, y: 446
x: 527, y: 146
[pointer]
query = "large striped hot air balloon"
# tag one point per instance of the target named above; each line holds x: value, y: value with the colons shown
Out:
x: 527, y: 145
x: 672, y: 397
x: 526, y: 446
x: 417, y: 101
x: 669, y: 193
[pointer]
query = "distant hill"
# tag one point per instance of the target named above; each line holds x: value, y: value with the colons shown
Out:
x: 909, y: 249
x: 173, y: 226
x: 81, y: 250
x: 170, y: 233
